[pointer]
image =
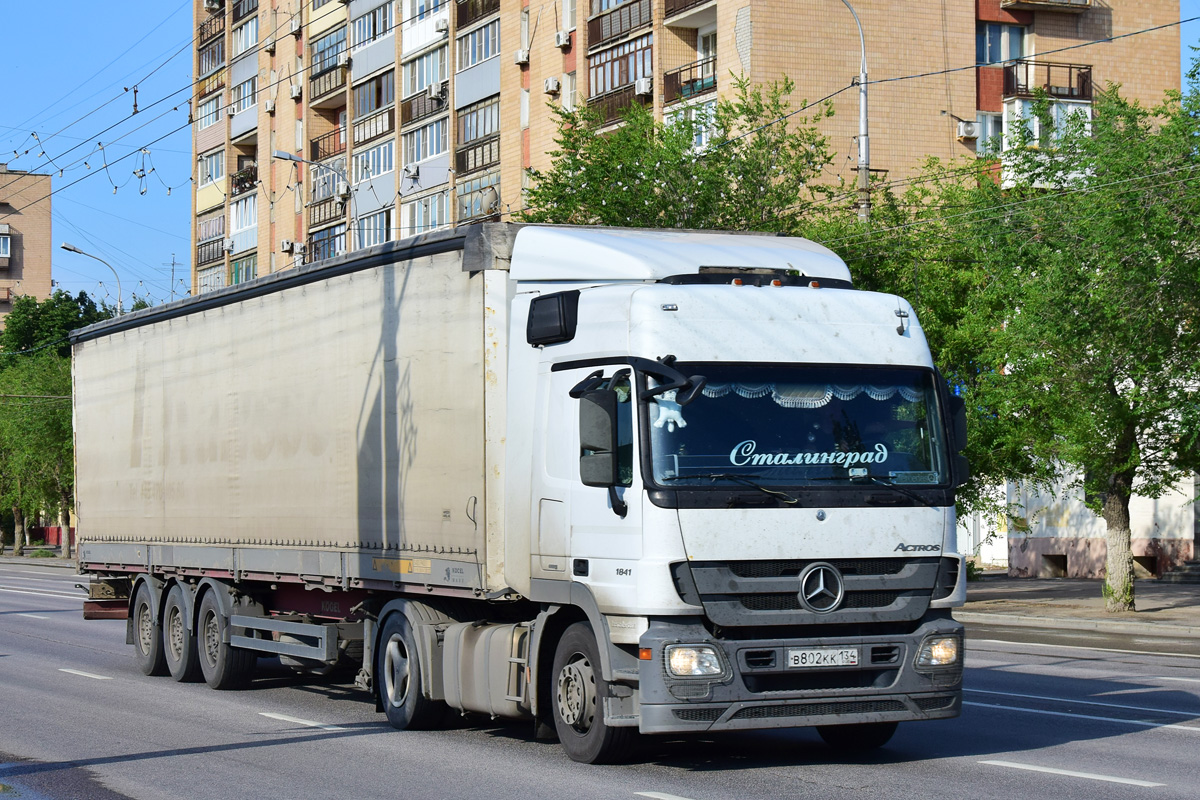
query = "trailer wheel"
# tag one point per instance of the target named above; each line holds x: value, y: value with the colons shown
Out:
x: 579, y: 692
x: 857, y: 738
x: 223, y: 665
x: 179, y: 644
x: 147, y: 634
x: 398, y: 676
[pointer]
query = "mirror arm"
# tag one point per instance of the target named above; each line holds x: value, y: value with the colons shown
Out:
x: 589, y: 383
x: 618, y: 505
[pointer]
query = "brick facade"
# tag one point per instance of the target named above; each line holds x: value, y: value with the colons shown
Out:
x: 25, y: 221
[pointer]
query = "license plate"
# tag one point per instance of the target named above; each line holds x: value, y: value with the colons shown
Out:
x: 805, y: 657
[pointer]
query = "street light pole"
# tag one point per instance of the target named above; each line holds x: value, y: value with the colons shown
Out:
x: 73, y: 249
x: 864, y: 145
x: 283, y: 155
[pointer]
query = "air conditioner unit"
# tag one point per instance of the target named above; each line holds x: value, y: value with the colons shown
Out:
x: 434, y: 92
x: 269, y: 105
x: 643, y: 87
x: 550, y: 85
x: 343, y: 190
x: 212, y: 6
x: 521, y: 57
x: 562, y: 39
x: 967, y: 130
x: 412, y: 171
x: 287, y: 245
x: 442, y: 26
x: 295, y: 26
x: 269, y: 45
x: 297, y: 91
x: 229, y: 245
x: 343, y: 59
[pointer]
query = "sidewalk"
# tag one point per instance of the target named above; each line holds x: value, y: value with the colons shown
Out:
x: 6, y: 557
x: 1164, y: 609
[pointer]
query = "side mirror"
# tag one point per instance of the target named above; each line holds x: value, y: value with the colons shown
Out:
x: 958, y: 422
x: 962, y: 470
x: 598, y: 465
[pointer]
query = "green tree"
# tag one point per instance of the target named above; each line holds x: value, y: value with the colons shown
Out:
x: 754, y: 174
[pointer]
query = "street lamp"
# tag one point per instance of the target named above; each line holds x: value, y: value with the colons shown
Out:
x: 864, y: 147
x: 73, y: 249
x: 283, y: 155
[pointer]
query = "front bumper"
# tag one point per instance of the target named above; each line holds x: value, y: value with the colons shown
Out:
x: 758, y: 691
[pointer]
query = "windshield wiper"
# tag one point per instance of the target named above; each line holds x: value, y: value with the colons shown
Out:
x: 901, y: 489
x: 744, y: 480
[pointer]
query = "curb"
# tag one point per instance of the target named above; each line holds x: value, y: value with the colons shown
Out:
x: 1074, y: 624
x: 56, y: 562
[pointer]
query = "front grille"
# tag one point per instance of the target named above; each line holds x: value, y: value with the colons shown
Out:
x: 934, y: 703
x: 793, y: 568
x: 791, y: 601
x: 698, y: 714
x: 820, y: 709
x: 822, y: 680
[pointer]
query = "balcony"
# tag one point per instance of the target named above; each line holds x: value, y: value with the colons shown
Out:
x: 244, y: 180
x: 611, y: 105
x: 690, y: 80
x: 211, y: 28
x: 1068, y: 6
x: 331, y: 144
x: 675, y: 6
x: 321, y: 212
x: 378, y: 124
x: 330, y: 80
x: 243, y: 9
x: 212, y: 250
x: 477, y: 155
x: 470, y: 10
x: 1060, y: 81
x: 617, y: 22
x: 421, y: 105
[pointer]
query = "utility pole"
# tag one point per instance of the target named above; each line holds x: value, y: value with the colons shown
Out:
x: 172, y: 265
x: 864, y: 145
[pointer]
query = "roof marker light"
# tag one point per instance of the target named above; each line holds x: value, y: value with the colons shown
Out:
x: 669, y: 307
x: 736, y: 281
x: 814, y: 284
x: 777, y: 282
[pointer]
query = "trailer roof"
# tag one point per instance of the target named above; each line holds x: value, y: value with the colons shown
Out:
x: 572, y: 254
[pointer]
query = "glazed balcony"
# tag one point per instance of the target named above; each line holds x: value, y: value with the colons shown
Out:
x: 468, y: 11
x: 421, y: 105
x: 330, y: 80
x: 617, y: 22
x: 243, y: 9
x: 611, y: 104
x: 1060, y: 81
x: 210, y: 29
x: 376, y: 125
x: 212, y: 250
x: 321, y: 212
x: 477, y: 155
x: 690, y: 80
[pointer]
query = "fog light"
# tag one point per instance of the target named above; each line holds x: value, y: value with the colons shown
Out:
x: 693, y: 660
x: 939, y: 652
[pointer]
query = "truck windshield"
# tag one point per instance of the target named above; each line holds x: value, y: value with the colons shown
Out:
x: 793, y: 426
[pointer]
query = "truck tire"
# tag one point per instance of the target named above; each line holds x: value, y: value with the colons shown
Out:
x: 179, y: 644
x: 223, y: 665
x: 578, y: 701
x: 398, y: 676
x: 857, y: 738
x: 147, y: 634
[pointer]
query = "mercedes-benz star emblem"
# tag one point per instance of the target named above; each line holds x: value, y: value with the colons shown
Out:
x: 821, y: 588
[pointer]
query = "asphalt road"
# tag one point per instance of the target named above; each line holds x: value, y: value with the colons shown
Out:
x: 77, y: 719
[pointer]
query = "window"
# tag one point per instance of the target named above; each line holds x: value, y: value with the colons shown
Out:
x: 5, y: 246
x: 245, y: 269
x: 524, y: 108
x: 568, y: 12
x: 245, y: 36
x: 371, y: 25
x: 479, y: 120
x: 1062, y: 113
x: 474, y: 197
x: 324, y: 180
x: 374, y: 162
x: 209, y: 112
x: 377, y: 93
x: 420, y: 9
x: 211, y: 228
x: 599, y: 6
x: 621, y: 65
x: 424, y: 214
x: 212, y: 57
x: 996, y: 43
x: 211, y: 279
x: 243, y: 213
x: 212, y: 167
x: 424, y: 71
x: 327, y: 243
x: 245, y: 95
x: 479, y: 45
x: 703, y: 116
x: 426, y: 141
x: 375, y: 228
x: 325, y: 51
x: 991, y: 128
x: 318, y: 3
x: 569, y: 99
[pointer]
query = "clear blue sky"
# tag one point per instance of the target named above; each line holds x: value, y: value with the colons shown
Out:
x: 66, y: 65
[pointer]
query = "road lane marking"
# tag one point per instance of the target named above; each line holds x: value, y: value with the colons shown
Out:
x: 660, y: 796
x: 1188, y: 714
x: 308, y: 723
x: 1185, y: 680
x: 1091, y: 776
x: 60, y: 595
x: 33, y: 616
x: 86, y: 674
x: 1082, y: 647
x: 1139, y: 722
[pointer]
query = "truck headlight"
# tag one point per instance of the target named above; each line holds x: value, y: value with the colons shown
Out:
x: 939, y: 651
x: 693, y: 660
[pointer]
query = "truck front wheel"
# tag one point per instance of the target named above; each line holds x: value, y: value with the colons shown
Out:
x: 179, y: 644
x: 857, y: 738
x: 579, y: 692
x: 224, y: 666
x: 398, y: 676
x: 147, y: 634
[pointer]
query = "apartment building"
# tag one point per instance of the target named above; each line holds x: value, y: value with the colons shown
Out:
x: 25, y: 245
x: 396, y: 117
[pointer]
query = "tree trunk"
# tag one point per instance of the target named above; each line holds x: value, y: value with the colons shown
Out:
x: 1118, y: 568
x: 18, y: 532
x: 64, y: 520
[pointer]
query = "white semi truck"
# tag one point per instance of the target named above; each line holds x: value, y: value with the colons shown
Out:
x: 606, y: 480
